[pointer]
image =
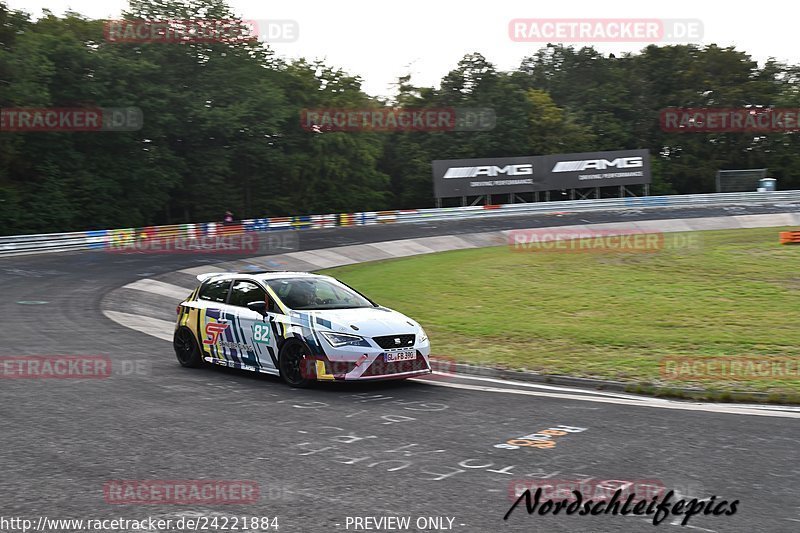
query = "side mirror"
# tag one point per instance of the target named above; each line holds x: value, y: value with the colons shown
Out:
x: 258, y: 307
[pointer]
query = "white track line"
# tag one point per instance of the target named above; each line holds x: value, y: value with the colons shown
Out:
x: 681, y: 406
x: 560, y: 388
x: 767, y: 407
x: 158, y: 328
x: 159, y: 287
x: 193, y: 271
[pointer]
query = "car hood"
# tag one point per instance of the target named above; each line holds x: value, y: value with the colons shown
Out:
x: 370, y: 321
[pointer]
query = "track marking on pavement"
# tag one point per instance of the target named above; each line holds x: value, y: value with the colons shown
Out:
x: 193, y: 271
x: 161, y: 329
x: 546, y: 387
x: 159, y: 287
x: 681, y: 406
x: 651, y: 400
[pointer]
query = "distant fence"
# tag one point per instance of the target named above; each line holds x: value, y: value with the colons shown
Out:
x: 103, y: 239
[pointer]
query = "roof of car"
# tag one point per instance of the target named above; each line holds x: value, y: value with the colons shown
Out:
x: 264, y: 275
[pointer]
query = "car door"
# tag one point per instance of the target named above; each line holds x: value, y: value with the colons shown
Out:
x: 213, y: 324
x: 255, y: 333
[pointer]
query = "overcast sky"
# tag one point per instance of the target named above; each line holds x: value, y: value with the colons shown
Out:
x: 382, y: 40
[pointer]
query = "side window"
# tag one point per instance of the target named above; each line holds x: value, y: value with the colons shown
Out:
x: 281, y: 288
x: 244, y: 292
x: 215, y: 291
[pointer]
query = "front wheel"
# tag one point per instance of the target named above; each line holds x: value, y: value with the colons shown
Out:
x: 294, y: 362
x: 186, y: 349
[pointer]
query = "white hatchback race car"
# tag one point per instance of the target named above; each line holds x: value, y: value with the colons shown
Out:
x: 303, y: 327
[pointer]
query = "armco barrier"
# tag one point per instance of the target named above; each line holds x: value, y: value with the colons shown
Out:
x: 99, y: 239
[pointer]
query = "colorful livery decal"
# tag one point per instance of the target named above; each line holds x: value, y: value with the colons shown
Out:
x: 213, y: 330
x: 342, y: 343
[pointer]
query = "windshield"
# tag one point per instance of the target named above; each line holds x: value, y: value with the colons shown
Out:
x: 316, y: 293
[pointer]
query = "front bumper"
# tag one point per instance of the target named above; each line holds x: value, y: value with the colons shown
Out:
x: 361, y: 363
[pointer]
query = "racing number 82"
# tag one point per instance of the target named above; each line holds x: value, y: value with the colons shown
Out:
x: 261, y: 333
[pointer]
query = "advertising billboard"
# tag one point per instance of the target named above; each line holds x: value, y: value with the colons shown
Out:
x: 504, y: 175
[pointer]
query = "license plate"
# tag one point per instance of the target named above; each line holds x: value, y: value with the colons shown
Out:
x: 400, y: 356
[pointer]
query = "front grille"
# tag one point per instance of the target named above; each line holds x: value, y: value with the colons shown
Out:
x: 381, y: 368
x: 394, y: 341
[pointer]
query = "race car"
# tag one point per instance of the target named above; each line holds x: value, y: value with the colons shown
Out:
x: 303, y: 327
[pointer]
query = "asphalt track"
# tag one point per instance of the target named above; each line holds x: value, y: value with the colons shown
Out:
x: 413, y: 449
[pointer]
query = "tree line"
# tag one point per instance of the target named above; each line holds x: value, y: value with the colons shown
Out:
x: 222, y: 123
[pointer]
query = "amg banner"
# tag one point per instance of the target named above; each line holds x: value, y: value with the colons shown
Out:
x: 503, y: 175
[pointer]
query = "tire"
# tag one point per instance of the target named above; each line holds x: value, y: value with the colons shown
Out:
x: 186, y: 349
x: 293, y: 357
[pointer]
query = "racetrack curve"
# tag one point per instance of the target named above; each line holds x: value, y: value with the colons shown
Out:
x: 321, y: 455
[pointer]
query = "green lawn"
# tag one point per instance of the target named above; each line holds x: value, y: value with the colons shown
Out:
x: 603, y: 314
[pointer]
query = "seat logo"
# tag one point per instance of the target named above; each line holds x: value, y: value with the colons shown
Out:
x: 213, y: 331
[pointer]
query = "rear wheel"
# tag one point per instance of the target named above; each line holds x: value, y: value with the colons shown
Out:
x: 186, y: 349
x: 294, y: 362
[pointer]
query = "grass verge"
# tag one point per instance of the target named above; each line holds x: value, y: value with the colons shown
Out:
x: 608, y: 314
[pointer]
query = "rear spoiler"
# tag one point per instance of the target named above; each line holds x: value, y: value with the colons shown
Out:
x: 208, y: 275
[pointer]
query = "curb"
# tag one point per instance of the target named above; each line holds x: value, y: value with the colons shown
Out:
x: 635, y: 387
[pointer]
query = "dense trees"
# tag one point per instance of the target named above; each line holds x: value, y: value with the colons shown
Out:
x: 222, y: 123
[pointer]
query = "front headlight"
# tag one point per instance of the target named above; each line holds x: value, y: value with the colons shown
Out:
x: 344, y: 339
x: 422, y: 335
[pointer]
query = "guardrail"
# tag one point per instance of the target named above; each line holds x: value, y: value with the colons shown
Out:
x: 103, y: 239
